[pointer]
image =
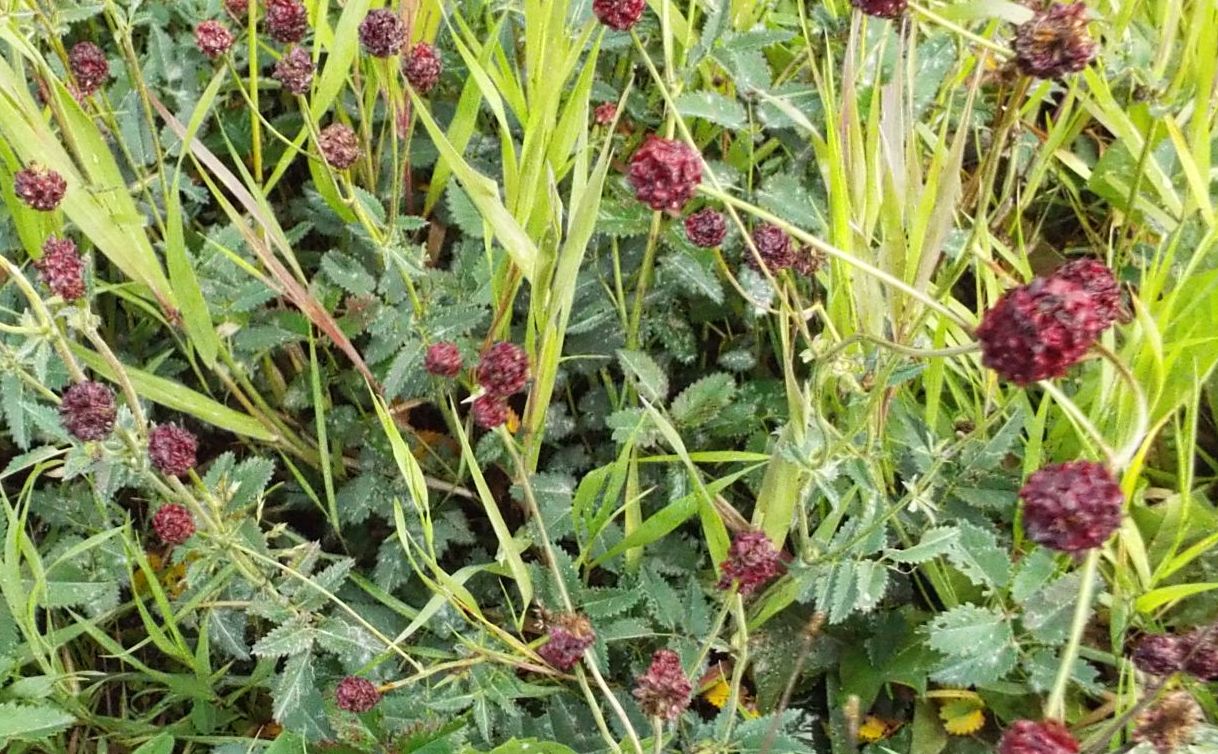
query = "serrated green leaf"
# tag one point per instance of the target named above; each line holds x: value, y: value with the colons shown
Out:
x: 977, y: 555
x: 713, y: 108
x: 871, y: 578
x: 703, y: 400
x: 606, y: 603
x: 1035, y: 570
x: 967, y: 630
x: 1047, y: 614
x: 291, y: 638
x: 645, y: 373
x: 694, y: 276
x: 352, y: 644
x: 349, y: 274
x: 31, y: 722
x: 934, y: 543
x: 297, y: 702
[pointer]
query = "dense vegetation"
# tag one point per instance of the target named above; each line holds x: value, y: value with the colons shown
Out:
x: 608, y: 375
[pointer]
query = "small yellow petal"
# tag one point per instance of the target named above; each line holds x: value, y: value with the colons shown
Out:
x: 873, y: 729
x: 717, y: 693
x: 962, y: 717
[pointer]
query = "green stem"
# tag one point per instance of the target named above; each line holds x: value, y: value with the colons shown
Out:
x: 1055, y: 708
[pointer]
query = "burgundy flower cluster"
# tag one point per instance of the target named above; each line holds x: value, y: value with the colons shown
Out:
x: 172, y: 449
x: 39, y: 187
x: 663, y: 691
x: 569, y: 637
x: 62, y: 269
x: 619, y: 15
x: 1195, y: 653
x: 90, y: 69
x: 1072, y: 507
x: 1039, y: 330
x: 752, y: 562
x: 1055, y: 42
x: 502, y: 372
x: 422, y: 67
x: 1030, y: 737
x: 355, y: 694
x: 87, y: 411
x: 173, y: 524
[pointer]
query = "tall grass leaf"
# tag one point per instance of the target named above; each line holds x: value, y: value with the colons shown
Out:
x: 99, y: 205
x: 484, y: 194
x: 178, y: 397
x: 507, y: 544
x: 31, y: 722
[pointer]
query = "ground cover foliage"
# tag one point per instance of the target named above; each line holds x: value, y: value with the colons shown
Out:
x: 608, y: 375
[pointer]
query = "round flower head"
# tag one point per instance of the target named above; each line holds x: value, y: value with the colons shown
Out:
x: 286, y: 21
x: 442, y: 359
x: 773, y: 246
x: 62, y: 269
x: 213, y: 38
x: 1028, y: 737
x: 422, y: 67
x: 339, y: 146
x: 89, y: 67
x: 1170, y: 723
x: 382, y: 33
x: 570, y: 636
x: 604, y: 113
x: 173, y: 524
x: 752, y: 561
x: 355, y: 694
x: 1055, y: 42
x: 87, y: 411
x: 172, y: 449
x: 504, y: 369
x: 706, y: 228
x: 663, y: 691
x: 881, y: 8
x: 665, y: 173
x: 1099, y: 283
x: 239, y: 8
x: 489, y: 411
x: 619, y: 14
x: 294, y: 71
x: 1039, y: 330
x: 40, y: 188
x: 1201, y: 654
x: 1159, y: 654
x: 1071, y: 507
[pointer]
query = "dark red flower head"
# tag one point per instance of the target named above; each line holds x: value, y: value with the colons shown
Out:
x: 1071, y: 507
x: 88, y: 411
x: 504, y: 369
x: 1201, y: 653
x: 1159, y: 654
x: 239, y: 8
x: 172, y: 449
x: 881, y: 8
x: 286, y: 20
x: 213, y: 38
x: 752, y: 561
x: 604, y: 113
x: 1170, y: 723
x: 570, y: 636
x: 663, y: 691
x: 489, y: 411
x: 339, y: 146
x: 773, y: 246
x: 422, y: 67
x: 40, y: 188
x: 382, y: 33
x: 1039, y: 330
x: 665, y: 173
x: 355, y: 694
x: 1099, y: 283
x: 443, y: 359
x: 173, y: 524
x: 1046, y: 737
x: 62, y: 269
x: 294, y: 71
x: 89, y: 67
x: 1055, y: 42
x: 706, y: 228
x: 619, y: 14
